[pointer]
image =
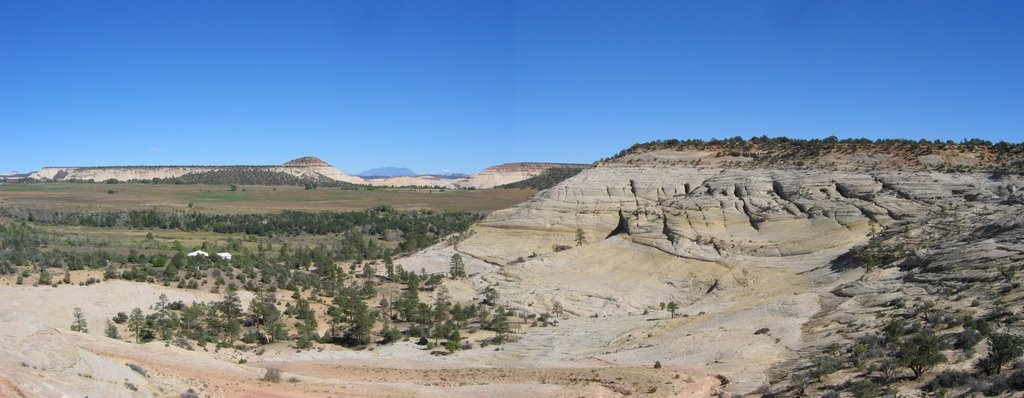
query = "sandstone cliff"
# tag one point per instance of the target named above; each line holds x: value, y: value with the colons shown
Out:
x: 743, y: 243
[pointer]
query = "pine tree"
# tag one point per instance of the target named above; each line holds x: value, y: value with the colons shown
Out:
x: 457, y: 268
x: 500, y: 325
x: 361, y: 324
x: 111, y: 330
x: 79, y: 325
x: 581, y: 237
x: 453, y: 341
x: 389, y: 267
x: 137, y: 323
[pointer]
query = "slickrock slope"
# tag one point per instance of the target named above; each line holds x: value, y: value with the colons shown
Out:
x: 742, y: 242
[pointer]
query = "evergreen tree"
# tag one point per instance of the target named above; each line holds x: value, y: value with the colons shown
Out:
x: 231, y: 306
x: 1003, y: 348
x: 44, y: 277
x: 389, y: 267
x: 265, y: 316
x: 581, y: 237
x: 137, y: 323
x: 111, y: 330
x: 500, y: 326
x: 453, y: 341
x: 457, y: 268
x: 79, y: 325
x: 408, y: 302
x: 921, y: 352
x: 361, y: 324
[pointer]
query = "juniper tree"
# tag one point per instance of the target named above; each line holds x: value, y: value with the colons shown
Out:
x: 921, y: 352
x: 672, y: 307
x: 1003, y: 348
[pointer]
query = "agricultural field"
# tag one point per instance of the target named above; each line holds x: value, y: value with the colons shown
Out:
x: 221, y: 199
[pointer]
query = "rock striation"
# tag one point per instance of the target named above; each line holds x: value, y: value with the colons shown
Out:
x: 742, y: 244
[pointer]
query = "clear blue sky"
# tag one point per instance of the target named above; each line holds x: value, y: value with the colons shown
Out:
x: 437, y: 85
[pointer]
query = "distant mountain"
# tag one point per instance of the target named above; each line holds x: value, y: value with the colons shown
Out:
x: 388, y: 172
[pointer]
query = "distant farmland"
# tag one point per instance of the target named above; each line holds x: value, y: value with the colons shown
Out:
x: 247, y: 198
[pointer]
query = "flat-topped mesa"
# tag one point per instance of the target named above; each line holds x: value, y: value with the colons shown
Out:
x: 302, y: 170
x: 306, y: 161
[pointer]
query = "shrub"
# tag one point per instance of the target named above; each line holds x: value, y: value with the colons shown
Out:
x: 657, y: 364
x: 950, y: 378
x: 967, y: 339
x: 272, y: 375
x: 138, y: 369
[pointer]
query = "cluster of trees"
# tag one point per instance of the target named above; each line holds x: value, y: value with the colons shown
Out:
x: 250, y: 176
x: 350, y: 320
x: 222, y: 323
x: 907, y: 349
x: 420, y: 228
x: 546, y: 179
x: 22, y: 245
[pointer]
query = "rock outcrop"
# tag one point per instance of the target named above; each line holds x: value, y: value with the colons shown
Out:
x: 740, y: 244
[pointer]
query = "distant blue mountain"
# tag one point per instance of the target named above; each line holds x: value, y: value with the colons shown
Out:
x: 388, y: 172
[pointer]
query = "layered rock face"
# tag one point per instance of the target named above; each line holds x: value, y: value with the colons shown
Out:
x: 717, y: 213
x: 744, y: 245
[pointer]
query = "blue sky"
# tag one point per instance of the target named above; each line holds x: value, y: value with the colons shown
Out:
x: 461, y: 85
